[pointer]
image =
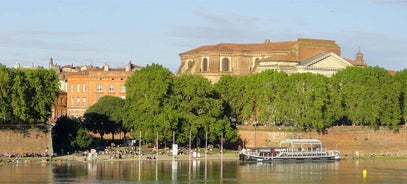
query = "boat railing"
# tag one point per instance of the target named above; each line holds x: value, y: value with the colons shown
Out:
x: 305, y: 150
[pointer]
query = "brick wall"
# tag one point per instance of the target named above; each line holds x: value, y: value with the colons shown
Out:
x: 19, y: 141
x: 348, y: 140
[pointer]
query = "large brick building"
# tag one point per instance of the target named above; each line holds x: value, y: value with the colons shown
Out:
x: 83, y: 86
x: 304, y: 55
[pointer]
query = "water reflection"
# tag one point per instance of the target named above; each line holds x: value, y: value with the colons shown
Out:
x: 210, y: 171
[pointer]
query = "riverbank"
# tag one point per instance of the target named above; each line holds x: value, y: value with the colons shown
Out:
x: 106, y: 157
x: 74, y: 158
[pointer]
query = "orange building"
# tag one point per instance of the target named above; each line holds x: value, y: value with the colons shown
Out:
x: 60, y: 108
x: 83, y: 86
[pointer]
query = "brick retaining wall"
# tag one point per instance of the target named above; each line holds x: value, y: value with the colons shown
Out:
x: 348, y: 140
x: 24, y: 141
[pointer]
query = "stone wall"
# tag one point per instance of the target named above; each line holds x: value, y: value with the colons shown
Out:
x: 348, y: 140
x: 24, y: 141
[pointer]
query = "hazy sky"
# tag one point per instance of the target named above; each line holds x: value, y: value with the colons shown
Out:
x: 84, y: 32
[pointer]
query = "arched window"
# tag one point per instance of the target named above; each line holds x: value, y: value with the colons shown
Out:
x: 190, y: 64
x: 205, y: 64
x: 225, y: 65
x: 255, y: 61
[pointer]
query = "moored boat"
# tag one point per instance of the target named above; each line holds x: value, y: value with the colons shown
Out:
x: 290, y: 149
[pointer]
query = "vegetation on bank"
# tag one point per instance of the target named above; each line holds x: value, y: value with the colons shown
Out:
x: 162, y: 106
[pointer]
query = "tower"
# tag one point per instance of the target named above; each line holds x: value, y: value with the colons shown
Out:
x: 359, y: 58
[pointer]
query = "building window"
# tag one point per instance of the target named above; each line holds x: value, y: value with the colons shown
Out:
x: 84, y: 101
x: 225, y: 65
x: 84, y: 88
x: 72, y: 102
x: 72, y: 88
x: 99, y: 88
x: 111, y: 88
x: 205, y: 65
x: 78, y: 101
x: 254, y: 63
x: 190, y: 64
x: 123, y: 89
x: 78, y: 88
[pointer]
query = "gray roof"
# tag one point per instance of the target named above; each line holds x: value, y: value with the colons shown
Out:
x: 300, y: 141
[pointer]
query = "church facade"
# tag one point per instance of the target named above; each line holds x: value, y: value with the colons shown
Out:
x: 304, y: 55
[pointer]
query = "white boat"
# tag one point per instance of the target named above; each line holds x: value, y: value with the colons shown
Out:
x: 290, y: 149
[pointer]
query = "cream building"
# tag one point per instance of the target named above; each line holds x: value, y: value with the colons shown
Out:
x: 304, y: 55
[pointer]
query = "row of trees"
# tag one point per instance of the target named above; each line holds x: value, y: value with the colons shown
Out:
x: 158, y: 102
x: 367, y: 96
x: 26, y: 95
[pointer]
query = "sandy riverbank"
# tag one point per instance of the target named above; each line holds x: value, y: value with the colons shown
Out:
x: 105, y: 157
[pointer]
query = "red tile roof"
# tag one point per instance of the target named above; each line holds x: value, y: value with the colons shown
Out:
x: 267, y: 46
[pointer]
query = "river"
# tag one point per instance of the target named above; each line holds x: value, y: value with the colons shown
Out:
x: 211, y: 171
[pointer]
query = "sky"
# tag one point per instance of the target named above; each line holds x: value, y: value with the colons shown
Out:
x: 95, y: 32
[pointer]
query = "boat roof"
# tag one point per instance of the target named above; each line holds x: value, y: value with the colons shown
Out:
x: 300, y: 141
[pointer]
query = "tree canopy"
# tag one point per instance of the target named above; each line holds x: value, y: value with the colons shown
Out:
x: 105, y: 116
x: 367, y: 96
x: 27, y: 95
x: 158, y: 102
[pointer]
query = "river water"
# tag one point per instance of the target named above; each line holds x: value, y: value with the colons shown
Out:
x: 210, y: 171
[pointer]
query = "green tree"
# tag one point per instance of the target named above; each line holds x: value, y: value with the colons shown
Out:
x: 370, y: 96
x: 27, y: 95
x: 105, y: 116
x: 310, y: 101
x: 82, y: 139
x: 5, y: 86
x: 198, y: 109
x: 401, y: 79
x: 147, y: 92
x: 43, y: 90
x: 64, y: 133
x: 231, y: 91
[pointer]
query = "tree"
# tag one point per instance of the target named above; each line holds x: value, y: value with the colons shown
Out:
x: 311, y: 101
x: 230, y: 92
x: 370, y: 96
x: 147, y: 92
x: 158, y: 102
x: 82, y: 139
x: 64, y: 134
x: 43, y: 90
x: 5, y: 86
x: 401, y: 78
x: 198, y: 109
x: 105, y: 116
x: 27, y: 95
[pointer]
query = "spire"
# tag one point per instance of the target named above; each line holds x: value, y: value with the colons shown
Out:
x: 51, y: 63
x: 128, y: 67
